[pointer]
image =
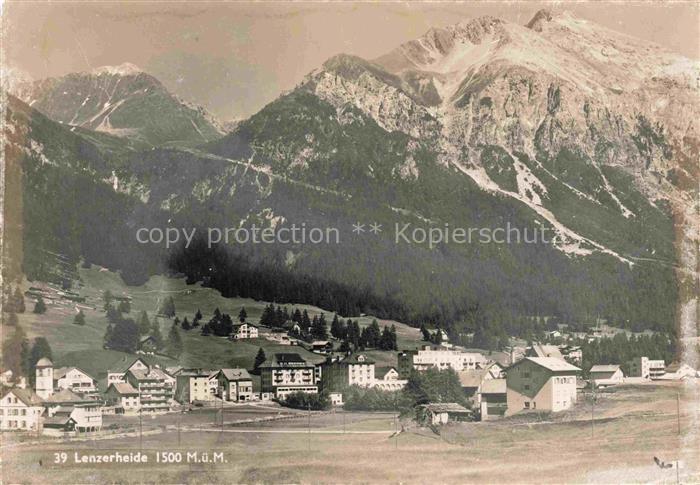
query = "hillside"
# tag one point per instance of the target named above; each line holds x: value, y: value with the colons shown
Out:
x: 122, y: 101
x: 485, y: 124
x: 82, y: 346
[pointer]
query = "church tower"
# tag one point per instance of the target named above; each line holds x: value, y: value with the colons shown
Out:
x: 44, y: 378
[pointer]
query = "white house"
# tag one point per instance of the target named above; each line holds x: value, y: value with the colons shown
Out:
x: 439, y: 358
x: 235, y: 385
x: 119, y: 375
x: 74, y: 379
x: 678, y: 371
x: 387, y: 379
x: 20, y: 410
x: 541, y: 383
x: 353, y: 370
x: 67, y: 410
x: 606, y: 375
x: 244, y: 331
x: 124, y: 397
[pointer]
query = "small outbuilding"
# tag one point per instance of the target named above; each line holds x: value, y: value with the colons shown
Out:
x: 442, y: 413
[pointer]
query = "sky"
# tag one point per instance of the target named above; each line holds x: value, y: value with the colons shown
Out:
x: 235, y: 57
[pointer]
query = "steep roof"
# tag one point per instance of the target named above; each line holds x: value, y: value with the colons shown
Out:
x: 605, y: 368
x: 65, y: 395
x: 447, y: 407
x: 27, y: 396
x: 553, y: 364
x: 124, y: 388
x: 62, y: 371
x: 545, y: 350
x: 153, y: 374
x: 381, y: 372
x: 472, y: 378
x: 236, y: 374
x: 282, y: 359
x: 124, y: 366
x: 493, y: 386
x: 357, y: 359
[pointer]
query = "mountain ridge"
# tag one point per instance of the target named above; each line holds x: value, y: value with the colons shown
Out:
x: 469, y: 144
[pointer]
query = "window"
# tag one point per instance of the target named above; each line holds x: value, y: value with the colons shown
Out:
x: 527, y: 404
x: 527, y: 387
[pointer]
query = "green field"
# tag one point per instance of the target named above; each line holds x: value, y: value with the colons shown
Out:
x: 82, y: 345
x: 635, y: 424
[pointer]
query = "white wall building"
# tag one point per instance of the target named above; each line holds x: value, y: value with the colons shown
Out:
x: 20, y: 410
x: 439, y: 358
x: 646, y: 368
x: 541, y: 384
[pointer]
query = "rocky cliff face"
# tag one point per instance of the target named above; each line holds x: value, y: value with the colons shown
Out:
x: 558, y: 85
x: 122, y: 101
x: 559, y: 124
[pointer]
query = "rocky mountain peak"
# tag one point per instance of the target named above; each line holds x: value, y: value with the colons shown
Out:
x: 540, y: 18
x: 124, y: 69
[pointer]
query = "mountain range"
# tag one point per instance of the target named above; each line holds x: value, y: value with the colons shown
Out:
x: 559, y: 123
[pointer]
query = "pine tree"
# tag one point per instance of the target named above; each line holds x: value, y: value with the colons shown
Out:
x: 157, y: 336
x: 336, y: 329
x: 79, y: 318
x: 186, y: 324
x: 259, y: 359
x: 242, y: 315
x: 19, y: 306
x: 143, y: 323
x: 107, y: 298
x: 167, y: 308
x: 113, y: 315
x: 12, y: 352
x: 198, y: 315
x: 39, y: 306
x: 124, y: 306
x: 268, y: 316
x: 305, y: 321
x: 372, y: 334
x: 175, y: 345
x: 296, y: 316
x: 425, y: 333
x: 319, y: 328
x: 123, y: 336
x: 107, y: 339
x: 394, y: 343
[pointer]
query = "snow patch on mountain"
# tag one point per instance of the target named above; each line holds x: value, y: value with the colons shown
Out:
x: 124, y: 69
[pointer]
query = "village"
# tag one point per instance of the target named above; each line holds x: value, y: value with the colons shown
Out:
x: 545, y: 378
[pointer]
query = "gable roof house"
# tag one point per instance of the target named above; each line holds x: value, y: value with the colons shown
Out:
x: 76, y: 379
x: 606, y: 375
x: 544, y: 350
x: 441, y: 413
x: 234, y: 385
x: 21, y: 410
x: 71, y: 411
x: 542, y: 384
x: 678, y: 371
x: 475, y: 381
x: 124, y: 397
